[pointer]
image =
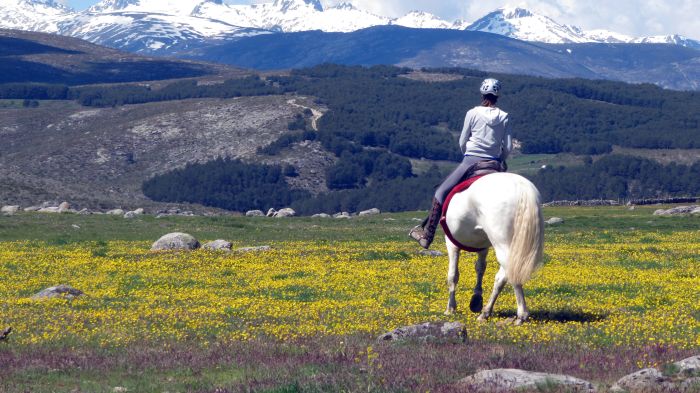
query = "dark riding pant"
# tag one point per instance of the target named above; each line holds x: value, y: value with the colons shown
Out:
x: 456, y: 177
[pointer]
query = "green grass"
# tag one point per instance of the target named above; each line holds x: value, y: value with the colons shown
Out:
x: 59, y: 229
x: 520, y: 163
x: 324, y: 363
x: 531, y: 163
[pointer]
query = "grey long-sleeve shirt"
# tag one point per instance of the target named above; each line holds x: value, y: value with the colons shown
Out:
x: 486, y: 133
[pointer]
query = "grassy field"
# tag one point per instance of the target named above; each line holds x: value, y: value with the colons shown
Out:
x: 618, y: 292
x: 527, y: 164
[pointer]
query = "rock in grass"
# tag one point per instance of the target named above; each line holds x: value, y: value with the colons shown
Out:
x: 62, y: 290
x: 430, y: 253
x: 508, y: 379
x: 370, y: 212
x: 175, y: 241
x: 9, y: 210
x: 554, y: 221
x: 690, y: 385
x: 321, y: 215
x: 426, y: 331
x: 116, y: 212
x: 286, y: 212
x: 645, y: 380
x: 218, y: 245
x: 690, y: 365
x: 254, y: 249
x: 679, y: 210
x: 254, y: 213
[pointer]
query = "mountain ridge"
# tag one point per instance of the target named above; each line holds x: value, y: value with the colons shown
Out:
x: 157, y: 23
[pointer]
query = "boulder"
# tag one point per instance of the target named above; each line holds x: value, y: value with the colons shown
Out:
x: 84, y: 212
x: 680, y: 210
x: 63, y: 207
x: 645, y: 380
x: 254, y: 213
x: 690, y: 365
x: 321, y: 215
x: 116, y: 212
x: 510, y: 379
x: 430, y: 253
x: 370, y: 212
x: 690, y: 385
x: 51, y: 209
x: 175, y: 241
x: 218, y: 245
x: 32, y: 209
x: 254, y: 249
x: 554, y: 221
x: 9, y: 210
x: 286, y: 212
x: 427, y: 331
x: 62, y: 290
x: 271, y: 212
x: 134, y: 213
x: 342, y: 215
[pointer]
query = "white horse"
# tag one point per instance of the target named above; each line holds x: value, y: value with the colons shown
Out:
x: 500, y: 210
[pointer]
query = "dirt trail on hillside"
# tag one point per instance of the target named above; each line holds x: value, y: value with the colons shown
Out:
x: 316, y: 114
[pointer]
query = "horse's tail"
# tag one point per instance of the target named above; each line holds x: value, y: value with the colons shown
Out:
x: 525, y: 254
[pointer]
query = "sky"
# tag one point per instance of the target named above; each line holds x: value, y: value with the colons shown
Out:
x: 632, y: 17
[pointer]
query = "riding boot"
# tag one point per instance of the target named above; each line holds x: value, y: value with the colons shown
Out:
x: 425, y: 233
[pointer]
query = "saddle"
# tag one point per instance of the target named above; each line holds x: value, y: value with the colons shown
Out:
x: 476, y: 172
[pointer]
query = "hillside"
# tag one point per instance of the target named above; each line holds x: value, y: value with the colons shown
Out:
x: 100, y: 157
x: 48, y: 58
x: 669, y: 66
x: 341, y: 138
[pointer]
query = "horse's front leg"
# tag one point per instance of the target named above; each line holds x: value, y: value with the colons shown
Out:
x: 452, y: 276
x: 477, y: 302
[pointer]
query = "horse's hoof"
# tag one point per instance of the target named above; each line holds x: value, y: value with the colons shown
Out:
x: 476, y: 304
x: 450, y: 311
x: 482, y: 318
x: 519, y: 321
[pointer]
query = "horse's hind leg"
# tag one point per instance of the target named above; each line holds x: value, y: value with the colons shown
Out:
x: 452, y: 276
x: 477, y: 302
x: 522, y: 307
x: 498, y: 285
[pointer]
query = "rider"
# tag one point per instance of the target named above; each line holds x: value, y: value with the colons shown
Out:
x: 485, y: 136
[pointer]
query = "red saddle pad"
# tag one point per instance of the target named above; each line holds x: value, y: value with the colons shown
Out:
x: 457, y: 189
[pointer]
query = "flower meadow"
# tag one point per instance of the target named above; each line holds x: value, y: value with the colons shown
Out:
x: 596, y: 289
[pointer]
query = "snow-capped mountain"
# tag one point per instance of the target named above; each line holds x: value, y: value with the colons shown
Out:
x: 522, y: 24
x: 149, y: 32
x: 422, y: 20
x: 32, y: 15
x: 169, y: 26
x: 292, y: 16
